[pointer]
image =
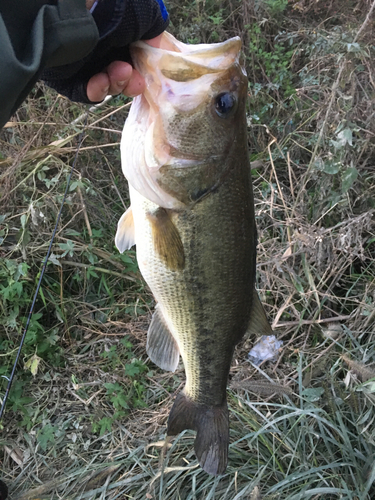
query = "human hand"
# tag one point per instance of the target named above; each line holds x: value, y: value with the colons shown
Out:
x: 107, y: 69
x: 120, y: 78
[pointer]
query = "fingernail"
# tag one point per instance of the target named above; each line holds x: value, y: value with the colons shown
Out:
x: 120, y: 84
x: 104, y: 93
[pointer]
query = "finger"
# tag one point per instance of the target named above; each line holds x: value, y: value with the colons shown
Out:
x: 155, y: 42
x: 120, y: 74
x: 97, y: 87
x: 135, y: 86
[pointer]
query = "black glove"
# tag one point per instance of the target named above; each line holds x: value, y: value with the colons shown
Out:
x: 120, y: 22
x: 3, y: 491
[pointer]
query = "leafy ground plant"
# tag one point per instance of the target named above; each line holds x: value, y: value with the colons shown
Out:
x: 86, y: 416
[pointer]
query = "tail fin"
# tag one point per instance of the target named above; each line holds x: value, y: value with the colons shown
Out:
x: 212, y: 426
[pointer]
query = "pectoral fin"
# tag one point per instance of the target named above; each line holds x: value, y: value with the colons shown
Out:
x: 166, y: 238
x: 125, y: 237
x: 258, y: 323
x: 161, y: 346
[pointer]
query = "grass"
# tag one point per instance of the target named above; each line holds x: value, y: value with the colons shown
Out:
x: 298, y: 447
x: 86, y: 416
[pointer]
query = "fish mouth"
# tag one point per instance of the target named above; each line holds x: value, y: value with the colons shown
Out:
x: 175, y: 71
x: 181, y: 81
x: 185, y: 62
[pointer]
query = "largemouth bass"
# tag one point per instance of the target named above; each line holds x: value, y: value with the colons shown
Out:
x: 184, y: 154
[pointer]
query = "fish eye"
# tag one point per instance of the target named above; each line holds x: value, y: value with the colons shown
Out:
x: 225, y: 103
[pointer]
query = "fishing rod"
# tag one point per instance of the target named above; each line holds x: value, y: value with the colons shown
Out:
x: 10, y: 379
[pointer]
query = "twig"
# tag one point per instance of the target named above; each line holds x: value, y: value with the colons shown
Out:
x: 91, y: 110
x: 279, y: 187
x: 87, y: 401
x: 365, y: 22
x: 311, y: 321
x: 100, y: 269
x: 114, y: 184
x: 290, y: 174
x: 88, y: 225
x: 112, y: 113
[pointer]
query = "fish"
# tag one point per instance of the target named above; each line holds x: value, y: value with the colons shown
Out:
x: 184, y: 153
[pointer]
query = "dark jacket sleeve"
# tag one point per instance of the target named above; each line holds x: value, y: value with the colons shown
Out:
x: 34, y: 33
x: 120, y: 22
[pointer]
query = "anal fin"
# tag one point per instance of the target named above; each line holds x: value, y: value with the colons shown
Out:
x: 125, y: 237
x: 161, y: 346
x: 258, y: 324
x: 212, y: 426
x: 167, y: 240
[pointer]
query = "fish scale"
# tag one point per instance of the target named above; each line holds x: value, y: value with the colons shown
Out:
x: 211, y: 297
